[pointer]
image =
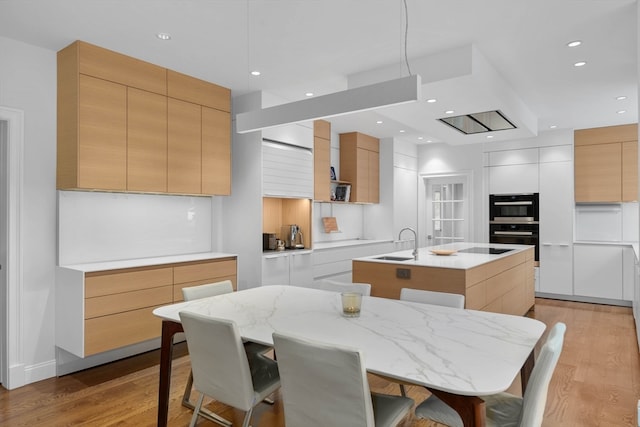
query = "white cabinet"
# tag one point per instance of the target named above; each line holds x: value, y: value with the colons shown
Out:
x: 513, y: 171
x: 300, y: 269
x: 556, y: 224
x: 287, y: 170
x: 289, y: 268
x: 628, y: 274
x: 597, y: 271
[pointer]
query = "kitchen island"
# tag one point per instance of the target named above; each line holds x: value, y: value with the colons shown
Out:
x: 492, y: 277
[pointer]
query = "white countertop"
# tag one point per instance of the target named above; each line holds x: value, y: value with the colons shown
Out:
x: 457, y: 260
x: 345, y: 243
x: 145, y: 262
x: 465, y: 352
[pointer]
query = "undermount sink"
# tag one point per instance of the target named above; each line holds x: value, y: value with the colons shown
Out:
x: 393, y: 258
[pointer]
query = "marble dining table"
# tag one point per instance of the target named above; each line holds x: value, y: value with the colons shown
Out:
x: 458, y: 354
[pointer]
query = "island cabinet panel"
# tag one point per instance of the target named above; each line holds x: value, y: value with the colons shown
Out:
x: 109, y: 309
x: 505, y: 285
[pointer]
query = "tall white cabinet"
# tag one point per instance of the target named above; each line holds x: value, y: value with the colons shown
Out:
x: 556, y: 220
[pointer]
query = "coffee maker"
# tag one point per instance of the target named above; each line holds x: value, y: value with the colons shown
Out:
x: 292, y: 236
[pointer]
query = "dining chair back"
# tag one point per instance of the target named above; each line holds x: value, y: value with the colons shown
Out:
x: 335, y: 286
x: 326, y: 385
x: 431, y: 297
x: 221, y: 368
x: 505, y: 409
x: 203, y: 291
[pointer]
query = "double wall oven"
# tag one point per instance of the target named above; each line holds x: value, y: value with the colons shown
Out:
x: 513, y: 219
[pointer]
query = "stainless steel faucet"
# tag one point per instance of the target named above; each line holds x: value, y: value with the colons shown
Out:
x: 415, y: 241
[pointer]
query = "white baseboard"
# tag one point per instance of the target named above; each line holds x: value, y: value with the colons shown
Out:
x: 40, y: 371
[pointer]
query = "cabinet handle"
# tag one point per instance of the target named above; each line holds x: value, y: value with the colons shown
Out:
x: 564, y: 245
x: 547, y: 244
x: 272, y: 256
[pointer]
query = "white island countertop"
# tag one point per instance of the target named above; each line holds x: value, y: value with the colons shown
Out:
x: 458, y: 260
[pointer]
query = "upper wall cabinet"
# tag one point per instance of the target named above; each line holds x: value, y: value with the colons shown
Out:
x: 127, y: 125
x: 360, y: 165
x: 606, y: 164
x: 321, y: 160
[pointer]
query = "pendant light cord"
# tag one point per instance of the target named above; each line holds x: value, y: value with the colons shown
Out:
x: 406, y: 34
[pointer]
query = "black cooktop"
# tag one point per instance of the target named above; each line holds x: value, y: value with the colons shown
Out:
x: 490, y: 251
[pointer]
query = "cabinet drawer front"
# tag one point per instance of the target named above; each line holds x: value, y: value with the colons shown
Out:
x: 109, y: 65
x: 187, y: 88
x: 177, y: 289
x: 114, y: 282
x: 127, y: 301
x: 194, y: 272
x: 119, y: 330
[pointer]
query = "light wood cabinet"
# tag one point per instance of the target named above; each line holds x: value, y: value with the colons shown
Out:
x: 146, y: 141
x: 184, y: 147
x: 360, y: 165
x: 216, y: 151
x: 606, y: 163
x: 127, y: 125
x: 321, y: 160
x: 110, y: 309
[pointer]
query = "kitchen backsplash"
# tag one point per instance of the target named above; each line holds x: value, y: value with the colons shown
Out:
x: 96, y: 226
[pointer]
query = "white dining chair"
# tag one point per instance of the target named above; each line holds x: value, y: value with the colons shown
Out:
x: 430, y: 297
x: 203, y: 291
x: 221, y: 368
x: 210, y: 289
x: 335, y: 286
x: 326, y: 385
x: 505, y: 409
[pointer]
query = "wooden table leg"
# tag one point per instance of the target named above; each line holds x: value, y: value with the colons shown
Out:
x: 527, y: 368
x: 470, y: 408
x: 169, y: 329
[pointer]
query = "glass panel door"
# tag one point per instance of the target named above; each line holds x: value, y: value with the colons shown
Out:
x: 447, y: 207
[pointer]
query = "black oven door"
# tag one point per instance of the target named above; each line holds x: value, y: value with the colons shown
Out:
x: 515, y: 234
x: 512, y: 208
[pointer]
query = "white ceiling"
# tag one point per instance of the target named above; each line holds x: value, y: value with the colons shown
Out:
x: 512, y: 53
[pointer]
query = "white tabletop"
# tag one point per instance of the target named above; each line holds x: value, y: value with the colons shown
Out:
x: 464, y: 352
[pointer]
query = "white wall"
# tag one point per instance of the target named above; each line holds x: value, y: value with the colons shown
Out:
x: 444, y: 159
x: 28, y: 83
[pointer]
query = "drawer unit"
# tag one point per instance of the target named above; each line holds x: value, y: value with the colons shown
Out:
x: 99, y: 311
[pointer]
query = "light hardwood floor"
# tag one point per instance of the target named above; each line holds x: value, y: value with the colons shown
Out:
x: 596, y: 383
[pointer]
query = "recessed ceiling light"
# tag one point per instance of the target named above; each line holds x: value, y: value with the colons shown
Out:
x: 428, y: 140
x: 449, y: 112
x: 553, y: 127
x: 580, y: 64
x: 402, y: 131
x: 621, y: 98
x: 164, y: 36
x: 431, y: 100
x: 308, y: 94
x: 420, y: 138
x: 489, y: 136
x: 255, y: 73
x: 379, y: 122
x: 622, y: 111
x: 574, y: 43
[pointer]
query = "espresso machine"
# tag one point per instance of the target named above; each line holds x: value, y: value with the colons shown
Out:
x: 292, y: 236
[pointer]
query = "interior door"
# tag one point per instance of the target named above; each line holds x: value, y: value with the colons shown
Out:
x: 447, y: 206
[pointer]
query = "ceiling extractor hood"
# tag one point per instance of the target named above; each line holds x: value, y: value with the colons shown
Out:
x: 487, y: 121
